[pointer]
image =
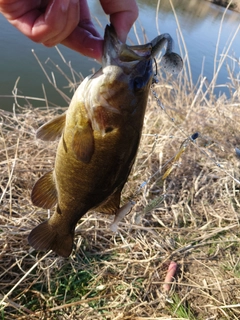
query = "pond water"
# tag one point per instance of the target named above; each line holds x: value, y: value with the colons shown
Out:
x: 199, y: 21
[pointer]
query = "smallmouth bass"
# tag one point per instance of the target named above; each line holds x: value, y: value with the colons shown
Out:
x: 99, y: 138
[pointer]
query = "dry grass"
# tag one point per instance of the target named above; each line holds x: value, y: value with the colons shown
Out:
x: 192, y: 218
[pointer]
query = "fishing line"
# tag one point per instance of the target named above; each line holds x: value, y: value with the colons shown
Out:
x: 196, y: 135
x: 168, y: 166
x: 175, y: 65
x: 170, y: 163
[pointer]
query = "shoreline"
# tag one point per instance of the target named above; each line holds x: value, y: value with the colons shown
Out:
x: 235, y: 5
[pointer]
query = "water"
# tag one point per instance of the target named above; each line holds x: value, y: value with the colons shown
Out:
x: 199, y: 21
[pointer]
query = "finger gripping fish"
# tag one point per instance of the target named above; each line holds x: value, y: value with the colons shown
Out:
x: 99, y: 137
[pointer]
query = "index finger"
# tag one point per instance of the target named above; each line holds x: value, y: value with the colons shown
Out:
x: 122, y: 15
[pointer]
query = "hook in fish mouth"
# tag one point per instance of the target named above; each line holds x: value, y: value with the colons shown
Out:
x: 171, y: 61
x: 115, y: 50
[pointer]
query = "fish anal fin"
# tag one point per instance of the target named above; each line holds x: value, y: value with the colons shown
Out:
x: 111, y: 205
x: 120, y: 214
x: 44, y: 192
x: 83, y: 143
x: 45, y: 237
x: 52, y: 129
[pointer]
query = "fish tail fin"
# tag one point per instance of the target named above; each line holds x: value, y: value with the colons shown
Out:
x: 46, y: 237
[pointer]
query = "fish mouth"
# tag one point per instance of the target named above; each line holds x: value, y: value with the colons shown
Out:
x: 116, y: 53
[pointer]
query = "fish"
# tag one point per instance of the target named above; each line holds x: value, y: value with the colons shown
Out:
x: 99, y: 138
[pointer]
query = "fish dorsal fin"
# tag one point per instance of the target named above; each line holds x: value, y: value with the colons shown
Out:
x: 83, y: 143
x: 44, y: 192
x: 111, y: 205
x: 52, y: 129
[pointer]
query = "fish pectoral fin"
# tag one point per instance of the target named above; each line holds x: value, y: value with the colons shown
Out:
x: 52, y: 129
x: 111, y: 205
x: 44, y: 192
x: 83, y: 143
x: 46, y: 237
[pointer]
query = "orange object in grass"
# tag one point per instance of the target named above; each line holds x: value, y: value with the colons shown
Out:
x: 169, y: 277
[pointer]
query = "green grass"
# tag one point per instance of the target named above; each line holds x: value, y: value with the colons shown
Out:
x: 181, y: 309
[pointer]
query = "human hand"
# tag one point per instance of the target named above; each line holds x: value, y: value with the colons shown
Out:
x: 68, y: 22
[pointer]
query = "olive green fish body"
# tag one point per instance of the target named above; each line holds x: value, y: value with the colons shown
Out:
x: 100, y: 134
x: 86, y: 184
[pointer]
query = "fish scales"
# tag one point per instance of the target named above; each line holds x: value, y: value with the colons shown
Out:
x: 99, y: 138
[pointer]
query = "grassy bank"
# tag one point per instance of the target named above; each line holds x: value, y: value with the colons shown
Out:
x: 192, y: 217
